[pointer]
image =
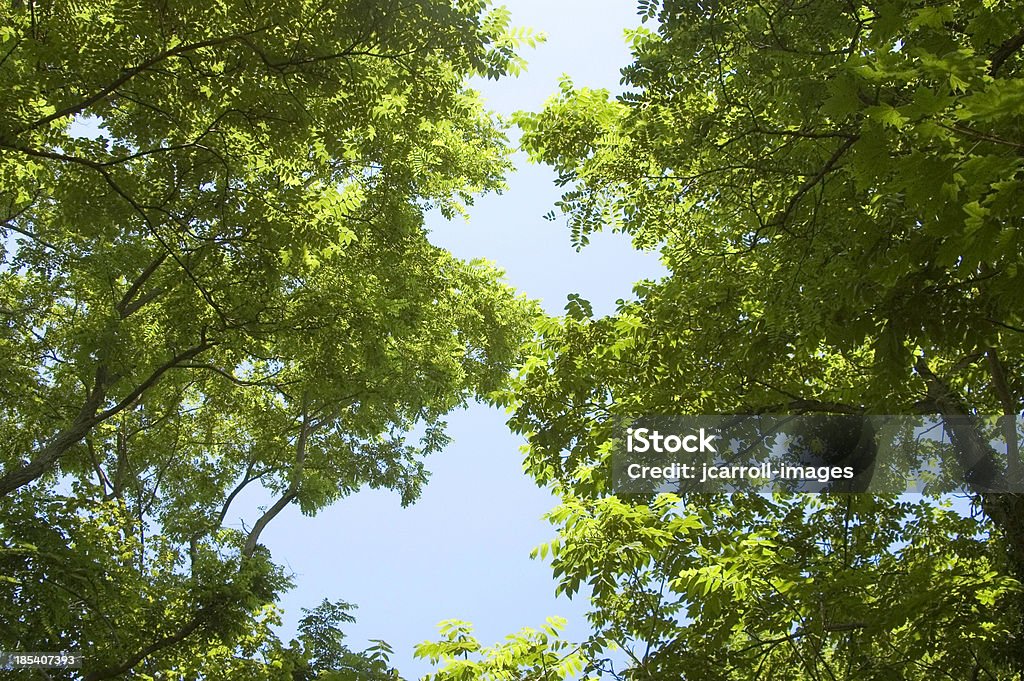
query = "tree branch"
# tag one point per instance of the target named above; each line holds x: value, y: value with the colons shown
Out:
x: 293, y: 486
x: 1005, y: 51
x: 818, y: 177
x: 177, y: 637
x: 1010, y: 410
x: 975, y: 455
x: 60, y: 443
x: 173, y: 363
x: 87, y: 418
x: 125, y: 306
x: 128, y: 74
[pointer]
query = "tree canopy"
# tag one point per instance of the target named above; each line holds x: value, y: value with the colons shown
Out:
x: 836, y: 192
x: 835, y: 188
x: 215, y: 276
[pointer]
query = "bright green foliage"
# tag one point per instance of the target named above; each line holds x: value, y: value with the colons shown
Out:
x: 215, y: 277
x: 748, y: 587
x: 321, y: 654
x: 528, y: 654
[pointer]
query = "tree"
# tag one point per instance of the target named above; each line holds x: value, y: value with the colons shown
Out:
x: 849, y: 587
x: 836, y: 191
x: 216, y: 277
x: 320, y: 652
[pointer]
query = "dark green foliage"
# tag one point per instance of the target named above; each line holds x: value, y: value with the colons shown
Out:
x: 836, y: 189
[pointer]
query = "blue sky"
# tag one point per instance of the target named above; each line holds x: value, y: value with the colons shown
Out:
x: 462, y: 551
